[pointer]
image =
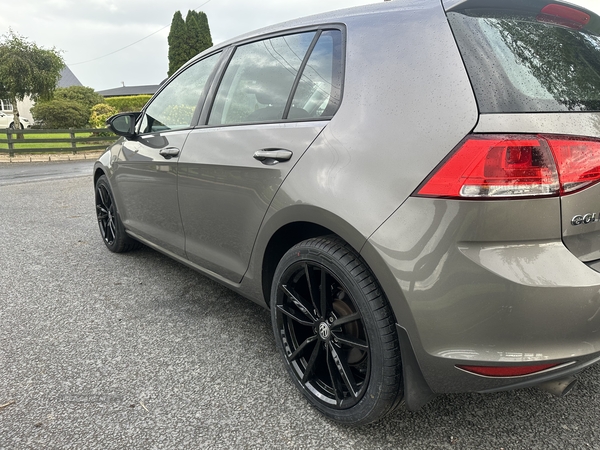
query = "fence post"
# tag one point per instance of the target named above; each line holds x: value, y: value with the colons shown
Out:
x: 73, y: 143
x: 11, y: 146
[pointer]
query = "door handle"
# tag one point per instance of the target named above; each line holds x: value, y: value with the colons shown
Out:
x: 169, y: 152
x: 273, y: 156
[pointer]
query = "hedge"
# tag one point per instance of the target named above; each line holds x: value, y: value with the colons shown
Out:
x: 129, y: 103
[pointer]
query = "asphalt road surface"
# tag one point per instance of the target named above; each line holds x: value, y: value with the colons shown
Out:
x: 17, y: 173
x: 135, y: 351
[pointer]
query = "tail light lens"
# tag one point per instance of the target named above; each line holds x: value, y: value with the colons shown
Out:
x: 506, y: 371
x: 564, y: 16
x: 515, y: 166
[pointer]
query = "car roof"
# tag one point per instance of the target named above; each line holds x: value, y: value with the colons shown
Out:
x: 338, y: 16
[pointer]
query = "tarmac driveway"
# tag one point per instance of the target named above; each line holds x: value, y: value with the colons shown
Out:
x: 136, y: 351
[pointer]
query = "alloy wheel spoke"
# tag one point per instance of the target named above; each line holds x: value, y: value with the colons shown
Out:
x: 102, y: 197
x: 295, y: 298
x: 107, y: 199
x: 310, y: 366
x: 312, y: 289
x: 323, y: 292
x: 351, y: 341
x: 344, y: 371
x: 113, y: 231
x: 302, y: 347
x: 334, y: 377
x: 345, y: 319
x: 294, y: 315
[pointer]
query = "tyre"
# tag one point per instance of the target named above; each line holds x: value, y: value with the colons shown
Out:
x: 336, y: 331
x: 111, y: 228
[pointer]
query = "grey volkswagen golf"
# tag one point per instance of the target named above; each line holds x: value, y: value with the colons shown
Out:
x: 411, y: 187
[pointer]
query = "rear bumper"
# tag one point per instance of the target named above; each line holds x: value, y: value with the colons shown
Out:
x: 471, y: 286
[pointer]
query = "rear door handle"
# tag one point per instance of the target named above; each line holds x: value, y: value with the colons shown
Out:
x: 273, y: 156
x: 169, y: 152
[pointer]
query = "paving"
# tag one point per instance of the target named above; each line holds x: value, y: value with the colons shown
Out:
x: 49, y: 157
x: 136, y: 351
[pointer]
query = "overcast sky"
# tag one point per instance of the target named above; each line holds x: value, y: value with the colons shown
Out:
x: 89, y: 29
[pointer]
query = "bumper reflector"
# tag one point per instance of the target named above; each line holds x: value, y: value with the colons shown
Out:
x: 506, y: 371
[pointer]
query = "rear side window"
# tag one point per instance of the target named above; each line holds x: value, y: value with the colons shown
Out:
x: 291, y: 77
x: 518, y: 64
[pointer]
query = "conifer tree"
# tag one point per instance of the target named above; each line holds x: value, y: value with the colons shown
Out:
x: 177, y: 40
x: 187, y: 38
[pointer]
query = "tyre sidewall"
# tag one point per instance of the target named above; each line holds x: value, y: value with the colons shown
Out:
x: 372, y: 405
x: 121, y: 239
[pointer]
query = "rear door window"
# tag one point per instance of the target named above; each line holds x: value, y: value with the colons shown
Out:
x: 519, y: 64
x: 263, y: 81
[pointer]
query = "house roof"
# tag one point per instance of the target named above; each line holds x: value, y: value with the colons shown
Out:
x: 68, y: 78
x: 130, y: 90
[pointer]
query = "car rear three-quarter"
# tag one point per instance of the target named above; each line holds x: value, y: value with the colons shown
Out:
x: 492, y: 264
x: 414, y: 196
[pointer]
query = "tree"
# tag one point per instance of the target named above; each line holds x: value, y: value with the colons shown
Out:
x: 59, y: 114
x: 187, y: 38
x: 27, y: 70
x: 206, y: 39
x: 177, y: 44
x: 84, y: 97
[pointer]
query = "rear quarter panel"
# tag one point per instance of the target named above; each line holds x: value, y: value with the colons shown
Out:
x: 407, y: 102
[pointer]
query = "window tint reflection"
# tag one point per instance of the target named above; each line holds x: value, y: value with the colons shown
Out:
x: 517, y: 64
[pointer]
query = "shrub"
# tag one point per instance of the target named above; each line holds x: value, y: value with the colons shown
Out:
x: 132, y: 103
x: 100, y: 113
x: 80, y: 94
x: 61, y: 114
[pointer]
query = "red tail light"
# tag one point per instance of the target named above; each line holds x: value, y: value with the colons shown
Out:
x: 515, y: 166
x: 564, y: 16
x: 506, y: 371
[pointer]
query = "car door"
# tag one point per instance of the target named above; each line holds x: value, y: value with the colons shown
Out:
x: 274, y: 99
x: 146, y: 171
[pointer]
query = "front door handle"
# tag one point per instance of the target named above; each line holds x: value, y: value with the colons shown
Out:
x: 273, y: 156
x: 169, y: 152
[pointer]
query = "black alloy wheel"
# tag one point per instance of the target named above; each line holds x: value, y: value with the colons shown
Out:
x: 111, y: 228
x: 337, y: 338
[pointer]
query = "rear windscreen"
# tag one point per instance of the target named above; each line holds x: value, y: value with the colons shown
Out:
x: 517, y: 64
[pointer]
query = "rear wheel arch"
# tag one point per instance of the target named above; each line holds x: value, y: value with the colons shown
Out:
x: 294, y: 224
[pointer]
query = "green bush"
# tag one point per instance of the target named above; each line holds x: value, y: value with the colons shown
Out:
x: 57, y: 114
x: 100, y: 113
x: 80, y: 94
x: 132, y: 103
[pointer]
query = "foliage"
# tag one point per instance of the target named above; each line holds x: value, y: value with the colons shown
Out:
x: 198, y: 32
x: 177, y: 44
x: 100, y: 113
x: 130, y: 103
x: 27, y: 70
x: 564, y: 62
x: 85, y: 97
x: 187, y: 39
x: 61, y: 114
x: 80, y: 94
